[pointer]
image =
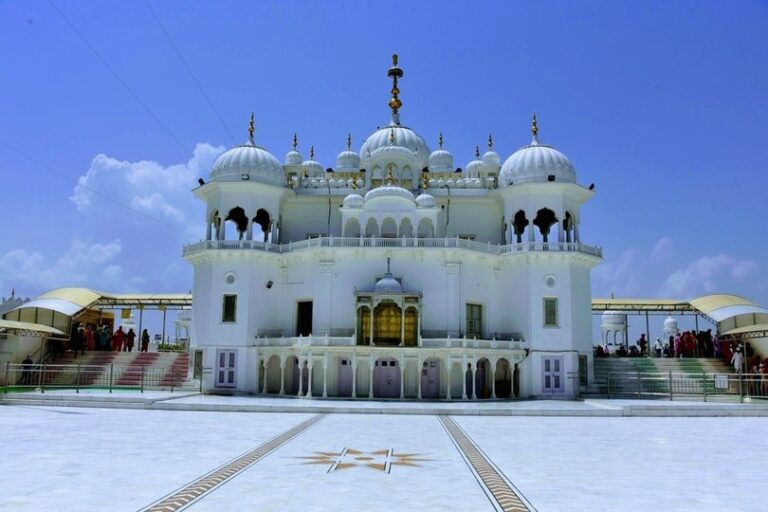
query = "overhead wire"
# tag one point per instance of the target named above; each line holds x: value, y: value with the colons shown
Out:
x: 189, y: 70
x: 122, y: 82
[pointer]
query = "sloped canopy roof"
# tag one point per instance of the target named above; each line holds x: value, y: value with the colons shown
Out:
x: 11, y: 325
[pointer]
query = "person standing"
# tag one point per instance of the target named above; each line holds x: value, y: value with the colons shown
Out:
x: 657, y: 346
x: 737, y: 360
x: 26, y: 371
x: 118, y: 339
x: 130, y: 339
x: 104, y: 337
x: 145, y: 341
x: 89, y: 338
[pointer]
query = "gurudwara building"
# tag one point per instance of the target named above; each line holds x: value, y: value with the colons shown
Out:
x: 394, y: 274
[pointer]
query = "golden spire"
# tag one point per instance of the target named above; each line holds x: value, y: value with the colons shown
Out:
x: 251, y: 129
x: 490, y: 142
x: 349, y: 141
x: 295, y: 141
x: 535, y: 129
x: 312, y: 152
x: 354, y: 184
x: 440, y: 140
x: 477, y: 151
x: 394, y: 103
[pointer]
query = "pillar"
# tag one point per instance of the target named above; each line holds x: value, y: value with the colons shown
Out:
x: 266, y: 364
x: 464, y: 368
x: 249, y: 230
x: 370, y: 378
x: 576, y: 237
x: 282, y: 377
x: 301, y: 378
x: 325, y: 378
x: 402, y: 323
x: 309, y: 380
x: 419, y: 363
x: 472, y: 380
x: 373, y: 307
x: 401, y: 364
x: 208, y: 229
x: 493, y: 380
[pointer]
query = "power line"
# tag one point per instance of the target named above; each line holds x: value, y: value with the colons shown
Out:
x: 92, y: 190
x: 122, y: 82
x: 189, y: 70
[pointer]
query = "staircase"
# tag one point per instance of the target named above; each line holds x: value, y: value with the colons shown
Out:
x: 649, y: 376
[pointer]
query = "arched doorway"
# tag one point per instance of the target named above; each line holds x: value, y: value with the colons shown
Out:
x: 406, y: 228
x: 344, y: 379
x: 430, y: 378
x: 386, y: 378
x: 482, y: 379
x: 520, y: 222
x: 388, y: 228
x: 372, y: 228
x: 352, y: 228
x: 238, y: 218
x: 503, y: 379
x: 273, y: 375
x: 387, y: 323
x: 426, y: 229
x: 263, y: 220
x: 544, y: 220
x: 291, y: 382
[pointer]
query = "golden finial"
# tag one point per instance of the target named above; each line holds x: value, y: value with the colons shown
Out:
x: 440, y: 140
x: 349, y: 141
x: 391, y: 136
x: 354, y: 184
x: 534, y: 126
x: 424, y: 181
x: 477, y: 151
x: 389, y: 176
x: 312, y: 152
x: 251, y: 128
x: 394, y: 103
x: 490, y: 142
x: 295, y: 141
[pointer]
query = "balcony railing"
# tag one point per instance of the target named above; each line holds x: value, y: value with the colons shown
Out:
x: 434, y: 243
x: 349, y: 341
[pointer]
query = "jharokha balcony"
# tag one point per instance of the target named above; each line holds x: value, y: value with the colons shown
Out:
x: 435, y: 243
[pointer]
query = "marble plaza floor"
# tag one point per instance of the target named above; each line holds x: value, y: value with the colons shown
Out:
x: 129, y: 459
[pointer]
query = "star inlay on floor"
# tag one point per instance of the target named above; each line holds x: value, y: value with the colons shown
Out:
x: 380, y: 460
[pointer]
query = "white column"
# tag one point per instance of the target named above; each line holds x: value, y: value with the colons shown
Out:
x: 448, y: 373
x: 370, y: 340
x: 401, y: 364
x: 208, y: 230
x: 472, y: 380
x: 354, y: 377
x: 402, y: 323
x: 282, y: 377
x: 419, y: 364
x: 249, y: 231
x: 325, y: 377
x: 370, y: 378
x: 576, y: 237
x: 493, y: 380
x: 309, y: 380
x: 301, y: 378
x: 463, y: 378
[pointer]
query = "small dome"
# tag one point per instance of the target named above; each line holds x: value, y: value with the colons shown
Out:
x: 425, y: 200
x: 251, y: 160
x: 353, y: 200
x: 491, y: 159
x: 313, y: 168
x: 475, y: 169
x: 614, y: 318
x: 388, y: 191
x: 293, y: 157
x: 536, y: 163
x: 670, y: 323
x: 402, y: 137
x: 441, y: 161
x: 387, y: 284
x: 348, y: 161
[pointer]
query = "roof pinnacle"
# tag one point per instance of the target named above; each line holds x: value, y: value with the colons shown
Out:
x: 295, y: 141
x: 440, y: 140
x: 251, y: 129
x: 535, y: 130
x: 349, y: 142
x: 477, y: 151
x: 490, y: 142
x: 394, y: 103
x: 312, y: 152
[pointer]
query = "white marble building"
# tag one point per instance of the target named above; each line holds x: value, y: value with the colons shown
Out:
x: 394, y: 275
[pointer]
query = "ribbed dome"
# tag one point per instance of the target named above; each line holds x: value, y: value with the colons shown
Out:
x: 258, y: 163
x: 441, y: 161
x: 387, y: 284
x: 403, y: 137
x: 535, y: 163
x: 388, y: 191
x: 348, y: 161
x: 353, y: 200
x: 475, y: 169
x: 314, y: 169
x: 293, y: 157
x: 425, y: 200
x: 613, y: 318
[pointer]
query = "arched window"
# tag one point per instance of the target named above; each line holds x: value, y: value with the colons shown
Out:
x: 406, y: 228
x: 520, y: 222
x: 238, y: 218
x: 264, y: 221
x: 544, y: 220
x: 352, y: 228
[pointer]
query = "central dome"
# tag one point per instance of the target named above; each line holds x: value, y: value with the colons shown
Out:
x: 249, y: 160
x: 397, y: 136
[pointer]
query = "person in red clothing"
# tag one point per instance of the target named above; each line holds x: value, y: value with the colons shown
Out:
x: 118, y: 339
x: 89, y: 338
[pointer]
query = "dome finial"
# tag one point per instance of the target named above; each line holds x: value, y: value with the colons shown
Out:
x: 477, y: 151
x: 490, y: 142
x: 312, y: 152
x: 440, y: 140
x: 388, y: 269
x: 251, y: 129
x: 535, y: 130
x: 349, y: 141
x: 295, y: 141
x: 394, y: 103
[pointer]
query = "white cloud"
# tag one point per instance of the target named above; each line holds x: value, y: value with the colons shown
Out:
x: 663, y: 249
x: 146, y: 186
x: 85, y: 263
x: 707, y: 274
x: 619, y: 276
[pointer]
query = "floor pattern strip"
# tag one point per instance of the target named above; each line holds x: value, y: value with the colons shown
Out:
x: 506, y: 497
x: 193, y: 491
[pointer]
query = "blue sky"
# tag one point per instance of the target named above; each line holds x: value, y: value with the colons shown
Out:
x: 661, y: 104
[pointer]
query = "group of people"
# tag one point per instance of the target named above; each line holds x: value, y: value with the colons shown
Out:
x: 88, y: 338
x: 680, y: 345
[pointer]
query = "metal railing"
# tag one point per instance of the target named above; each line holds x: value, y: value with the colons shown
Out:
x: 675, y: 384
x: 44, y: 377
x: 438, y: 243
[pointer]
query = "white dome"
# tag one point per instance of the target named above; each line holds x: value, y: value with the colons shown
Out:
x: 353, y: 200
x: 388, y: 191
x: 387, y: 284
x: 258, y: 163
x: 535, y: 163
x: 670, y: 323
x: 348, y: 161
x: 293, y: 157
x: 614, y: 318
x: 314, y: 169
x: 403, y: 137
x: 441, y: 161
x: 491, y: 159
x: 425, y: 200
x: 475, y: 169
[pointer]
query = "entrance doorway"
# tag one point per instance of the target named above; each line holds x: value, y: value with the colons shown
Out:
x: 345, y: 378
x: 225, y: 368
x: 552, y: 378
x: 430, y: 379
x: 304, y: 318
x: 386, y: 379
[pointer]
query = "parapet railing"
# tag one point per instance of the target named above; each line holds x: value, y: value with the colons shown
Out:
x: 436, y: 243
x: 350, y: 341
x: 676, y: 384
x: 20, y: 377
